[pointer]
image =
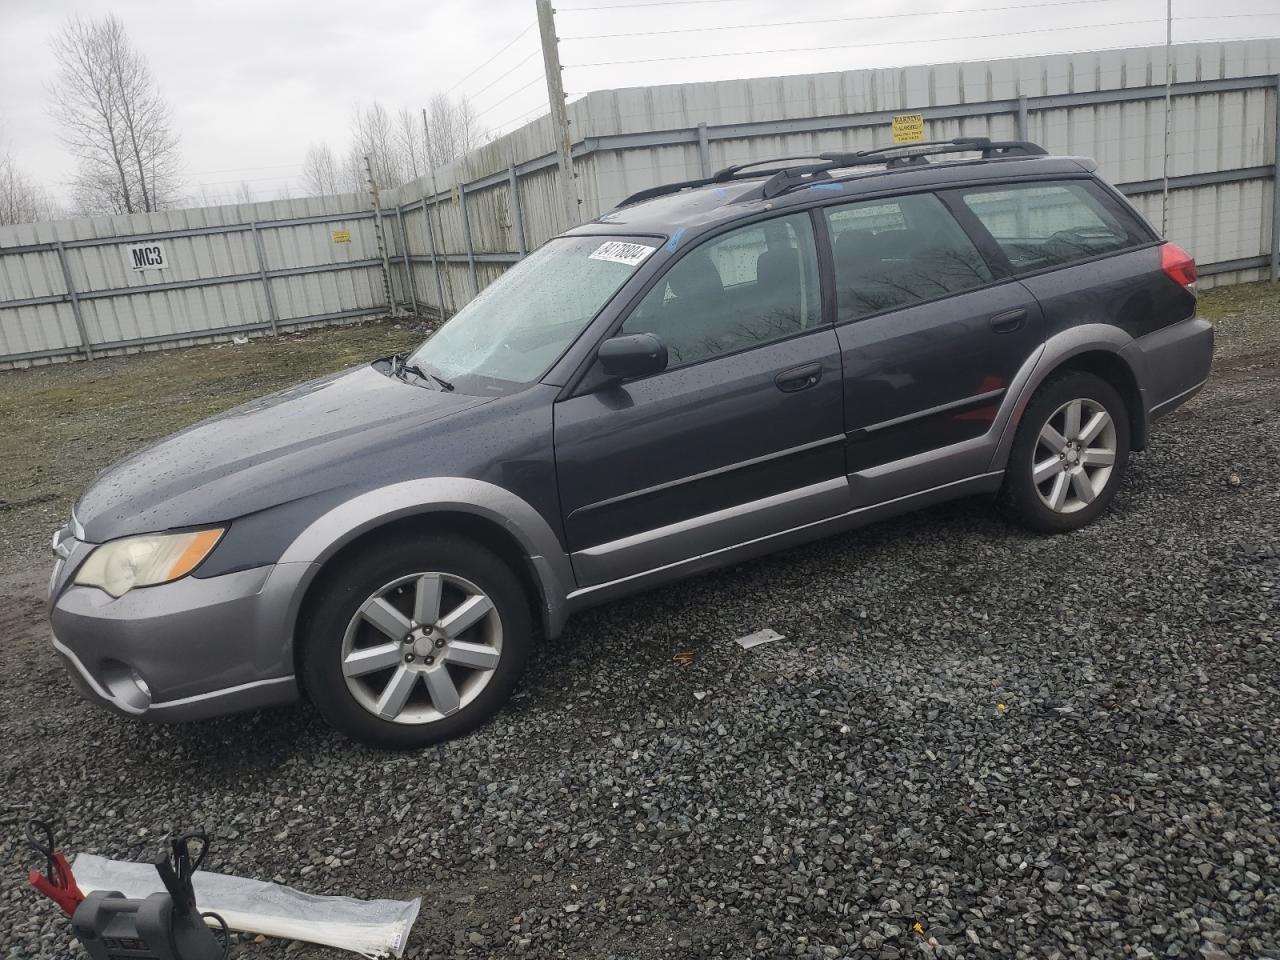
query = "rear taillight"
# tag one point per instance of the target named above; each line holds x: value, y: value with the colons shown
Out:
x: 1179, y: 265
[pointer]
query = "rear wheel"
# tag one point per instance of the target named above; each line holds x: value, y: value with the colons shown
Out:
x: 415, y: 640
x: 1069, y: 454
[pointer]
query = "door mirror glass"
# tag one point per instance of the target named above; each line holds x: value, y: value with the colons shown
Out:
x: 633, y: 355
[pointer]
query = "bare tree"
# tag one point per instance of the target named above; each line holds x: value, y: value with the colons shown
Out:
x: 22, y: 200
x: 321, y: 175
x: 244, y: 193
x: 454, y: 131
x: 114, y: 118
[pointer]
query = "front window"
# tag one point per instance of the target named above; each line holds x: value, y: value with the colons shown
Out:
x: 750, y: 286
x: 521, y: 323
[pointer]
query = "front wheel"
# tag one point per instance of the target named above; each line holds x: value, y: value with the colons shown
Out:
x: 1069, y: 454
x: 415, y: 640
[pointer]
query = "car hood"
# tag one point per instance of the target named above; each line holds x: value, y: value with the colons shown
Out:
x: 293, y: 444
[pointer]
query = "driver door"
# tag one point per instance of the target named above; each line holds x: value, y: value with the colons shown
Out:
x: 742, y: 435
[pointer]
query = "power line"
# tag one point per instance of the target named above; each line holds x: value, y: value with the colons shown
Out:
x: 797, y: 23
x: 468, y: 76
x: 520, y: 116
x: 852, y: 46
x: 507, y: 73
x: 502, y: 101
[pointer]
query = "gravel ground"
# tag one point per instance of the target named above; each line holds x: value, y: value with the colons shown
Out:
x: 972, y: 742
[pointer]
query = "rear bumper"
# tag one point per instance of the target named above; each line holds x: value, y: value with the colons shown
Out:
x: 1172, y: 364
x: 187, y: 650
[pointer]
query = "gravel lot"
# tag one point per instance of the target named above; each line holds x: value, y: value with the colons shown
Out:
x: 973, y: 742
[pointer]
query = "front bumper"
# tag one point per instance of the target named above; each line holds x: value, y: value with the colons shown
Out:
x: 186, y: 650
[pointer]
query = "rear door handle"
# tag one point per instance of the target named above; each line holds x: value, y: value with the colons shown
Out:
x: 1009, y: 321
x: 799, y: 378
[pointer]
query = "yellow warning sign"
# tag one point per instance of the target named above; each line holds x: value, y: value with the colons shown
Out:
x: 908, y: 128
x: 342, y: 236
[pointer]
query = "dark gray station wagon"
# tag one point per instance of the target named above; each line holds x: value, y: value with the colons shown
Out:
x: 712, y: 371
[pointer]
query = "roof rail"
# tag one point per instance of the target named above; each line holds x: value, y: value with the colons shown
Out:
x: 720, y: 176
x: 786, y: 174
x: 897, y: 156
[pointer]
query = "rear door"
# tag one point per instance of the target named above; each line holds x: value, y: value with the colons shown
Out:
x: 740, y: 437
x: 931, y: 335
x: 1081, y: 251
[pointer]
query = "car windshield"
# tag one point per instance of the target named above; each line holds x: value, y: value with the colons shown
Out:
x: 519, y: 325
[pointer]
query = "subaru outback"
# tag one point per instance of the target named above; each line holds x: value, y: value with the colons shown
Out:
x: 713, y: 370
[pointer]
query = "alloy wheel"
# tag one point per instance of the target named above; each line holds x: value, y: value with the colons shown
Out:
x: 421, y: 648
x: 1074, y: 456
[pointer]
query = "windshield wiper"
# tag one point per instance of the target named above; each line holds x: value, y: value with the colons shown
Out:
x: 401, y: 366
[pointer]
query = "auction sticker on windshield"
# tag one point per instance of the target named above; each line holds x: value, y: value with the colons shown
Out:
x: 616, y: 251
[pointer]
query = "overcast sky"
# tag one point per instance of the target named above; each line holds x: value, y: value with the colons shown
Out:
x: 254, y: 82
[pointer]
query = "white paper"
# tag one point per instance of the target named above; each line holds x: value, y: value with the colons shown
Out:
x: 757, y: 638
x: 619, y: 251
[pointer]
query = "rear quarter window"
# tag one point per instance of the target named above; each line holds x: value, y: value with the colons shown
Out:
x: 1051, y: 224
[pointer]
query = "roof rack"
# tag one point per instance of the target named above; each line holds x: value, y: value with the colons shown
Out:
x: 785, y: 174
x: 898, y: 156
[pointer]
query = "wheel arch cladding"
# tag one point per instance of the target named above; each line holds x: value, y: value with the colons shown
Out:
x: 429, y: 523
x: 1114, y: 369
x: 499, y: 519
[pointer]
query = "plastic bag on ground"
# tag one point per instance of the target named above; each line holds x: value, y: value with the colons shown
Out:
x: 373, y: 928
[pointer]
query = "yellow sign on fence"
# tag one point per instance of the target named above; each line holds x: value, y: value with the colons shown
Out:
x: 908, y: 128
x: 342, y: 236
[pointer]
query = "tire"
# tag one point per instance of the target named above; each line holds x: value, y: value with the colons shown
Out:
x: 1061, y: 502
x: 473, y: 639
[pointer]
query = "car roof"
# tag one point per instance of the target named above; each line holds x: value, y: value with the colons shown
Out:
x: 698, y: 208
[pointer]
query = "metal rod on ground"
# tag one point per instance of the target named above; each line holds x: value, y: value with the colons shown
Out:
x: 704, y: 150
x: 559, y: 111
x: 272, y: 315
x: 426, y: 212
x: 85, y: 345
x: 517, y: 215
x: 1168, y: 115
x: 466, y: 231
x: 1275, y: 195
x: 410, y: 283
x: 378, y: 234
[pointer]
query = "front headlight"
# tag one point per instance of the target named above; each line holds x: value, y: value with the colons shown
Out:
x: 119, y: 566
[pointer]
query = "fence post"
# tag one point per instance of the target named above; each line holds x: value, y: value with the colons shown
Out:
x: 431, y: 247
x: 517, y: 215
x: 85, y: 345
x: 266, y: 281
x: 704, y: 150
x: 380, y: 236
x: 1275, y: 195
x: 1022, y: 117
x: 410, y: 283
x: 466, y: 231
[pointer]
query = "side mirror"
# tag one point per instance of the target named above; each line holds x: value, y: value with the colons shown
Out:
x: 634, y: 355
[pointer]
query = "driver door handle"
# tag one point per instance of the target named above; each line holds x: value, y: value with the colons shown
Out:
x: 799, y: 378
x: 1009, y: 321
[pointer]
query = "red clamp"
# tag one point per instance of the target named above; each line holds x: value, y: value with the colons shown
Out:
x: 57, y: 882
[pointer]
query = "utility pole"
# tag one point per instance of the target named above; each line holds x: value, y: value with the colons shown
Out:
x: 1168, y: 116
x: 378, y: 235
x: 559, y: 111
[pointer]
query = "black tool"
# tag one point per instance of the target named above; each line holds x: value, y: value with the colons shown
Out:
x: 164, y: 926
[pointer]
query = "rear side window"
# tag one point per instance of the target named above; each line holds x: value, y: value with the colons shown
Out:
x: 893, y: 253
x: 1041, y: 225
x: 750, y: 286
